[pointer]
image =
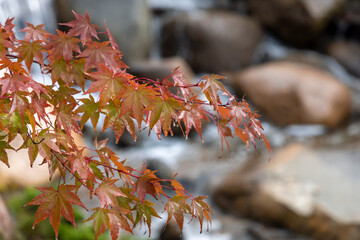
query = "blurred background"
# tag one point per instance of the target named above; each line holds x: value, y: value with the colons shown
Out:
x: 298, y: 64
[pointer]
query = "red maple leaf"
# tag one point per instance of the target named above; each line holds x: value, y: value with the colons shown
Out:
x: 109, y: 83
x: 35, y: 33
x: 180, y: 81
x: 145, y: 185
x: 30, y: 50
x: 53, y: 203
x: 5, y: 44
x: 62, y: 46
x: 164, y: 111
x: 193, y: 118
x: 135, y: 99
x: 97, y: 54
x: 66, y: 118
x: 107, y: 193
x: 176, y: 207
x: 82, y: 27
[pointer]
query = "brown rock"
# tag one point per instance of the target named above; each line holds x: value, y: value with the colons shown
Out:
x: 311, y: 191
x: 212, y: 41
x: 347, y: 54
x: 291, y: 93
x: 296, y: 21
x: 161, y: 68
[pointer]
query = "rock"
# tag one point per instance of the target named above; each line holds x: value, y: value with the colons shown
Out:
x: 292, y: 93
x: 347, y: 54
x: 211, y: 41
x: 311, y: 191
x: 128, y: 21
x: 7, y: 225
x: 171, y: 232
x: 161, y: 68
x: 298, y: 22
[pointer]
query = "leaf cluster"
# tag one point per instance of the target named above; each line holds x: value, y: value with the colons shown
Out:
x: 47, y: 115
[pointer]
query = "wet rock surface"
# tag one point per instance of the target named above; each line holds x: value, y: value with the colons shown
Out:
x: 211, y: 41
x: 290, y: 93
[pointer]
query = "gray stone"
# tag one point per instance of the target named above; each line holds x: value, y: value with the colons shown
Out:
x: 128, y: 21
x: 311, y: 191
x: 211, y: 41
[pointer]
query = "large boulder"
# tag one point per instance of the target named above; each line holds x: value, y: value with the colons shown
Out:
x: 311, y: 191
x: 296, y: 21
x: 128, y: 21
x: 293, y: 93
x: 211, y: 41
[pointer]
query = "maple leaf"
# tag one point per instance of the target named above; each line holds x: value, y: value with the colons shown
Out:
x: 176, y: 207
x: 90, y: 110
x: 16, y: 83
x: 145, y: 185
x: 8, y: 27
x: 19, y: 102
x: 200, y: 209
x: 38, y: 106
x: 109, y: 83
x: 192, y: 118
x: 53, y: 203
x: 5, y: 44
x: 224, y: 131
x: 14, y: 67
x: 66, y: 118
x: 180, y: 81
x: 179, y: 189
x: 82, y: 27
x: 145, y: 212
x: 80, y: 165
x: 107, y: 193
x: 62, y: 46
x: 165, y: 111
x: 210, y: 86
x: 111, y: 38
x: 35, y: 33
x: 68, y: 72
x: 3, y: 154
x: 46, y: 144
x: 30, y: 50
x: 97, y: 54
x: 101, y: 221
x: 117, y: 221
x: 119, y: 123
x: 135, y: 99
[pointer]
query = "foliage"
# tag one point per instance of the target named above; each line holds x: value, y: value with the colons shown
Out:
x: 44, y: 230
x: 47, y: 115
